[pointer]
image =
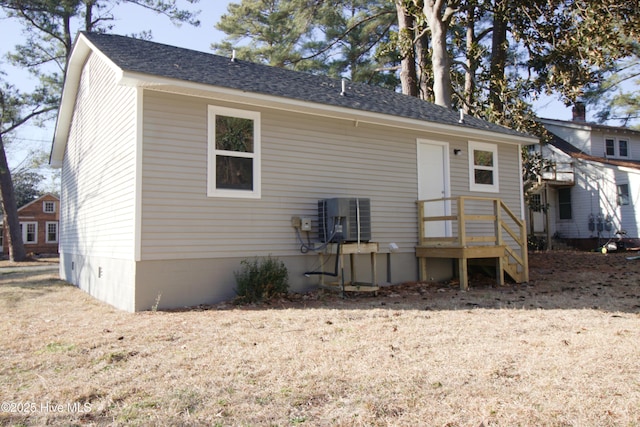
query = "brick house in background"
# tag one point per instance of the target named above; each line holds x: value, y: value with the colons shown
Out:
x: 39, y: 221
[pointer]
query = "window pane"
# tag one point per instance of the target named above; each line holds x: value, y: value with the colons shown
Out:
x: 234, y: 173
x: 234, y: 134
x: 623, y: 194
x: 623, y: 148
x: 31, y: 232
x: 482, y: 158
x: 483, y: 177
x: 52, y: 232
x: 609, y: 146
x: 564, y: 203
x: 535, y: 202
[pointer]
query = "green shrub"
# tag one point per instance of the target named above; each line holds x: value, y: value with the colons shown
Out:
x: 261, y: 278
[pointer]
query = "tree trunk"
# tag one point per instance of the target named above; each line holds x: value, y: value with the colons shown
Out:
x: 472, y: 63
x: 425, y: 86
x: 408, y: 77
x: 498, y: 57
x: 438, y: 21
x: 11, y: 221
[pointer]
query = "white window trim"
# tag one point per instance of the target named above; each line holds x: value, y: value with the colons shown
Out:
x: 212, y: 191
x: 44, y: 206
x: 24, y: 232
x: 473, y: 186
x: 619, y: 199
x: 620, y: 151
x: 616, y: 147
x: 46, y: 235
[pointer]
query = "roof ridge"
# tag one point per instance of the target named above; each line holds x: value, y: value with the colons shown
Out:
x: 152, y: 58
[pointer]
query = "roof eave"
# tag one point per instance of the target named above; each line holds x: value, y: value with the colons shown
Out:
x: 165, y: 84
x: 589, y: 126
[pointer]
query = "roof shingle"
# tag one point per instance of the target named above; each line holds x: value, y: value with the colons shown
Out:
x: 172, y: 62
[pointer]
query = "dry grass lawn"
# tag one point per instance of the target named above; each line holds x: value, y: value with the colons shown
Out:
x: 563, y: 350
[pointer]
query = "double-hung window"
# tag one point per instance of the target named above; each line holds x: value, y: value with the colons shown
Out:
x: 564, y: 203
x: 233, y: 153
x: 483, y: 167
x: 611, y: 149
x: 52, y: 232
x: 29, y: 232
x: 623, y: 148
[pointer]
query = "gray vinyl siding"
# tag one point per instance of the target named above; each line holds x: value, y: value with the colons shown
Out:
x: 509, y: 190
x: 98, y: 171
x: 304, y: 158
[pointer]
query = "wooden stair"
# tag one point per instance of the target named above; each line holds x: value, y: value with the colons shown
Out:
x: 497, y: 233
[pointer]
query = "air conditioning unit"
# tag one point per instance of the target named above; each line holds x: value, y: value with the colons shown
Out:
x: 343, y: 219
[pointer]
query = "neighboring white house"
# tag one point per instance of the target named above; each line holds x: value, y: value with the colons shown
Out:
x: 159, y: 204
x: 592, y: 188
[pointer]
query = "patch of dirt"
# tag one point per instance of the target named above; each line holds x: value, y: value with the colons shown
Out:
x: 557, y: 280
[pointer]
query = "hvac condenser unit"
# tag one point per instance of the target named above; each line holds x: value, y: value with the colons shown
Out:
x: 344, y: 219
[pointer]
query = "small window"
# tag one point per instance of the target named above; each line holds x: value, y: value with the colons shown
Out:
x: 29, y: 232
x: 535, y: 202
x: 623, y: 194
x: 623, y: 148
x: 52, y: 232
x: 610, y: 147
x: 483, y: 167
x: 49, y: 207
x: 234, y: 153
x: 564, y: 203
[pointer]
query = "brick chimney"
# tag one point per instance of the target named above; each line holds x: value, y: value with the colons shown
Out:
x: 579, y: 112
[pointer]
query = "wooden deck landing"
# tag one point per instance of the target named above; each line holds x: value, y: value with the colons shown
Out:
x: 464, y: 228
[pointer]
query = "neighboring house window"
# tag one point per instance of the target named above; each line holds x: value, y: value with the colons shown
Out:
x: 610, y: 147
x: 535, y: 203
x: 233, y: 153
x: 1, y: 237
x: 49, y: 207
x: 52, y: 232
x: 622, y: 148
x: 483, y: 167
x: 29, y: 232
x: 623, y: 194
x: 564, y: 203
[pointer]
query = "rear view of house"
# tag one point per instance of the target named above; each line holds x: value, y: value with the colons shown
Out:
x: 590, y: 188
x: 39, y: 224
x: 177, y: 165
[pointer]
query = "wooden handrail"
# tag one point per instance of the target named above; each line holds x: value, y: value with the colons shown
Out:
x: 498, y: 228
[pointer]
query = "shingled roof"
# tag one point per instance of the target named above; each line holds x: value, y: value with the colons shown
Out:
x: 141, y: 56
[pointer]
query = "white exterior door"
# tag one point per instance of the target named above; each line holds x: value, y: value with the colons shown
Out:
x: 433, y: 183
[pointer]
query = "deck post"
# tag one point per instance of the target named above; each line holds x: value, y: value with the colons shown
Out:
x: 499, y: 241
x: 463, y: 271
x: 421, y: 227
x: 462, y: 229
